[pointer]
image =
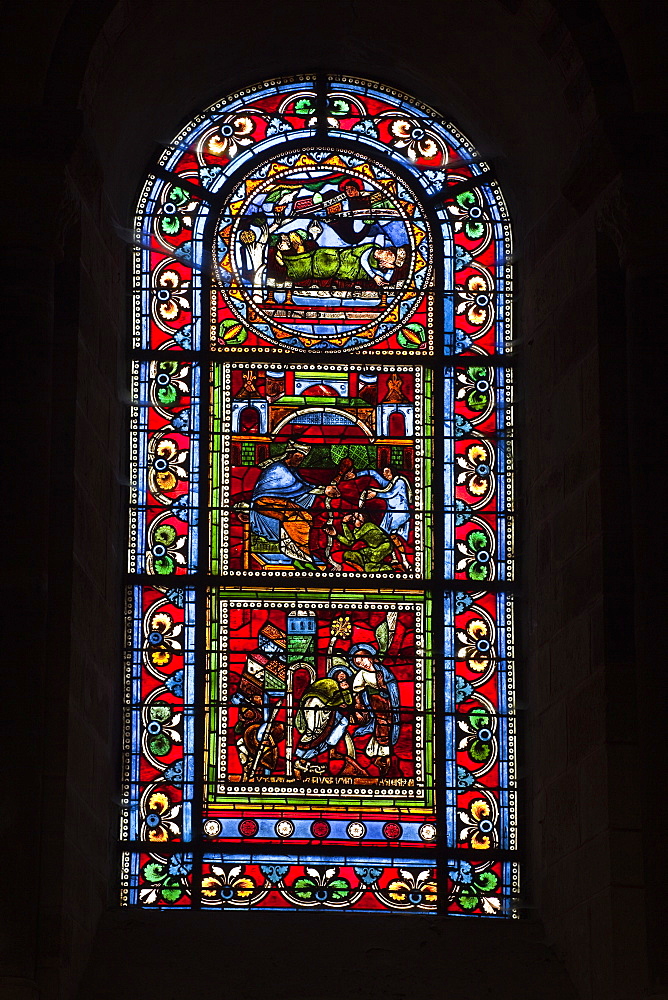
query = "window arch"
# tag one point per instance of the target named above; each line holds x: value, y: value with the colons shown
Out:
x: 319, y: 698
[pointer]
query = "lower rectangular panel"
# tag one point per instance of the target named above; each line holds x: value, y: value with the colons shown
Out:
x: 319, y: 719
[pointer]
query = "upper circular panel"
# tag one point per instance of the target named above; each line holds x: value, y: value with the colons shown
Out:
x: 323, y: 250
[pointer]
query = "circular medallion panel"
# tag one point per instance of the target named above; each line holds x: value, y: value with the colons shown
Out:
x: 320, y: 250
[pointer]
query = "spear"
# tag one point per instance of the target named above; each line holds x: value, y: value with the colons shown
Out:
x: 330, y: 524
x: 267, y: 732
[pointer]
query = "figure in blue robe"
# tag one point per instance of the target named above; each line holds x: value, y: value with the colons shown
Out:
x: 379, y: 690
x: 279, y: 505
x: 279, y: 479
x: 396, y: 492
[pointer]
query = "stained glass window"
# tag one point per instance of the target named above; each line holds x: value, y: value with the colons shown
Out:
x: 319, y: 669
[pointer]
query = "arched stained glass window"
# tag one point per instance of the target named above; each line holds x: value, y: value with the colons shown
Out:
x: 319, y: 693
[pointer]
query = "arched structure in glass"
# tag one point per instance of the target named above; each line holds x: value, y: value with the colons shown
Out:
x: 319, y: 693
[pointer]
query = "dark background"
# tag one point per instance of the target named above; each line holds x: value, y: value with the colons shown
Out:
x: 566, y: 99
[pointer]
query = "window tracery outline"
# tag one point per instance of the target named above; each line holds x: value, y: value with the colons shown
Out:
x: 184, y: 382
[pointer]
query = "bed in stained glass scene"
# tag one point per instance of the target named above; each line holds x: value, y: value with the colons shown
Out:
x: 322, y: 251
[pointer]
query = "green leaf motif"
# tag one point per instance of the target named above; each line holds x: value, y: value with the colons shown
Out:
x: 339, y: 889
x: 232, y: 332
x: 178, y: 195
x: 479, y: 751
x: 466, y: 198
x: 474, y: 230
x: 303, y: 887
x: 154, y: 872
x: 383, y: 636
x: 476, y: 400
x: 170, y: 224
x: 478, y: 718
x: 468, y: 899
x: 167, y: 395
x: 276, y: 194
x: 412, y: 336
x: 476, y: 541
x: 305, y: 106
x: 160, y: 745
x: 165, y: 534
x: 487, y: 881
x: 339, y: 108
x: 476, y: 571
x: 164, y: 565
x: 171, y: 891
x: 161, y: 711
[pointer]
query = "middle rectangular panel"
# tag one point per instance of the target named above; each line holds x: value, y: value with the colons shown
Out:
x: 322, y: 470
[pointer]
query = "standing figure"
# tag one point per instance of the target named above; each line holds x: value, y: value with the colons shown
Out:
x: 380, y: 692
x: 259, y: 695
x: 397, y: 493
x: 353, y: 229
x: 254, y: 240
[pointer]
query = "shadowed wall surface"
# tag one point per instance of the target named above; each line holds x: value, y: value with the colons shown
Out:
x: 566, y: 101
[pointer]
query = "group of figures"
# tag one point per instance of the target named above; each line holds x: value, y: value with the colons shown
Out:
x: 302, y: 715
x: 328, y: 233
x: 321, y: 251
x: 285, y: 509
x: 323, y: 470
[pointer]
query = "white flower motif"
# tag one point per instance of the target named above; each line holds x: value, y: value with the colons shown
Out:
x: 231, y: 134
x: 415, y: 139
